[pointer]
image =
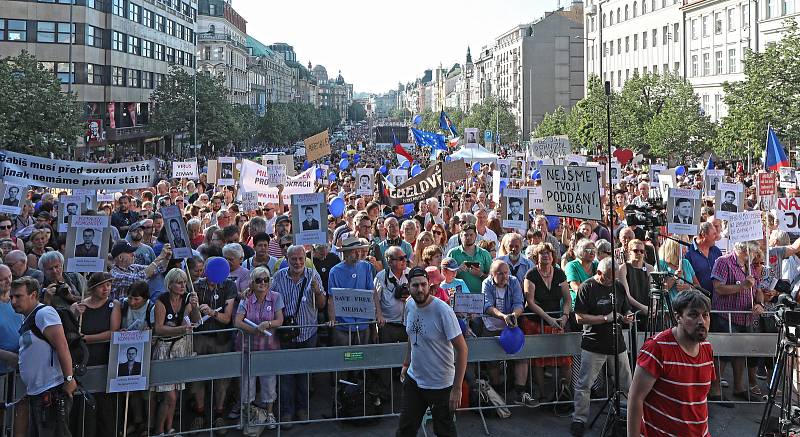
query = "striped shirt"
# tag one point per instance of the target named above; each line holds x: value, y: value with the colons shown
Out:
x: 676, y: 405
x: 728, y: 271
x: 307, y: 314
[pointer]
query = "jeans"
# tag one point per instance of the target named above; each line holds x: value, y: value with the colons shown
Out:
x: 49, y: 412
x: 294, y: 388
x: 591, y: 364
x: 416, y: 401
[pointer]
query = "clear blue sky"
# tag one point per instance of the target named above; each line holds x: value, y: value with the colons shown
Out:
x: 378, y: 43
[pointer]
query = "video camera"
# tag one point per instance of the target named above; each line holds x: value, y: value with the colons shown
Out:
x: 651, y: 215
x: 787, y: 314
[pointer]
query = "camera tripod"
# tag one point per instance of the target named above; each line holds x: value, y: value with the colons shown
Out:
x: 782, y: 381
x: 659, y: 307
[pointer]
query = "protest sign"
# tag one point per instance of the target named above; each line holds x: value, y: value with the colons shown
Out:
x: 317, y: 146
x: 249, y: 201
x: 535, y: 198
x: 364, y: 181
x: 422, y: 186
x: 729, y: 200
x: 225, y: 170
x: 683, y: 211
x: 176, y: 232
x: 309, y: 218
x: 575, y: 160
x: 570, y: 191
x: 253, y: 177
x: 789, y: 214
x: 276, y: 174
x: 712, y: 180
x: 68, y: 206
x: 106, y: 195
x: 185, y: 169
x: 14, y: 197
x: 788, y: 178
x: 555, y: 147
x: 397, y: 176
x: 128, y: 361
x: 468, y: 303
x: 87, y: 243
x: 89, y: 198
x: 766, y: 184
x: 515, y: 209
x: 665, y: 182
x: 351, y: 302
x: 502, y: 166
x: 616, y: 173
x: 471, y: 135
x: 655, y: 172
x: 745, y: 226
x: 21, y: 169
x: 454, y: 171
x: 496, y: 186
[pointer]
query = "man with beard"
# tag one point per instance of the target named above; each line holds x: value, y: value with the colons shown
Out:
x: 123, y: 218
x: 673, y: 374
x: 136, y: 233
x: 435, y: 362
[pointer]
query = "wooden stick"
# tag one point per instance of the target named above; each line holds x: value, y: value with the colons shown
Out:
x: 125, y: 420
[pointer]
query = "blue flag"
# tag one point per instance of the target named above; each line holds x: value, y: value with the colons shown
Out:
x: 433, y: 140
x: 446, y: 124
x: 775, y: 156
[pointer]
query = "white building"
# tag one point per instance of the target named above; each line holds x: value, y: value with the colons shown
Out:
x: 222, y: 47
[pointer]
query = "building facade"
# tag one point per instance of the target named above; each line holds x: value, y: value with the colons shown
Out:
x: 120, y: 51
x: 222, y: 47
x: 270, y: 79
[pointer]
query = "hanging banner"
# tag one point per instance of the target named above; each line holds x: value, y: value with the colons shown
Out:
x: 571, y: 191
x: 185, y: 169
x: 745, y: 226
x: 254, y: 177
x: 317, y: 146
x: 549, y: 147
x: 23, y: 169
x: 422, y: 186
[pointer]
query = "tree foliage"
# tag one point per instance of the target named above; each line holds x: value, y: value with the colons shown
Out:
x: 356, y: 112
x: 494, y: 115
x: 289, y: 122
x: 36, y: 117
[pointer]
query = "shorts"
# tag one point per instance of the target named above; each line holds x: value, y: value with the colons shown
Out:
x: 530, y: 327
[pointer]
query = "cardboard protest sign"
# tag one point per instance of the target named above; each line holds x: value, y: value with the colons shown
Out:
x: 249, y: 201
x: 87, y: 243
x: 176, y: 232
x: 351, y: 302
x: 655, y: 172
x: 711, y: 181
x: 225, y: 170
x: 128, y: 361
x: 575, y: 160
x: 535, y: 198
x: 309, y: 218
x: 253, y: 177
x: 365, y: 185
x: 185, y: 169
x: 471, y: 135
x: 789, y: 214
x: 570, y: 191
x: 515, y: 208
x: 683, y: 211
x: 766, y: 183
x: 21, y: 169
x: 317, y: 146
x: 106, y: 195
x: 745, y: 226
x: 14, y: 197
x: 729, y: 200
x: 454, y: 171
x: 68, y: 206
x: 468, y: 303
x: 665, y: 182
x: 788, y: 177
x: 555, y: 147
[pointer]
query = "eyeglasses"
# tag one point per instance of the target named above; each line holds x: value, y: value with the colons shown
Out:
x: 637, y: 250
x: 261, y: 281
x: 437, y: 232
x: 285, y: 245
x: 5, y: 227
x: 758, y: 263
x: 589, y: 250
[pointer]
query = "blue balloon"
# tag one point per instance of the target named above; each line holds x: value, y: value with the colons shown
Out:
x: 476, y: 166
x: 417, y: 119
x: 512, y: 340
x: 384, y: 170
x: 306, y: 165
x: 552, y: 223
x: 332, y: 176
x: 448, y: 158
x: 405, y: 165
x: 344, y: 155
x: 680, y: 170
x: 408, y: 209
x: 320, y: 173
x: 388, y: 162
x: 336, y: 207
x: 356, y: 158
x: 343, y: 164
x: 503, y: 185
x: 415, y: 170
x: 327, y: 162
x: 217, y: 270
x: 536, y: 175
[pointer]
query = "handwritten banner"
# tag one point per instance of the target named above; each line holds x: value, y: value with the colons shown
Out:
x: 549, y: 147
x: 317, y: 146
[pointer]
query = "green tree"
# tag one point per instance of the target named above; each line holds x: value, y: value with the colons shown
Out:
x: 36, y: 117
x: 586, y: 124
x: 769, y: 95
x: 356, y: 112
x: 554, y: 123
x: 244, y: 121
x: 494, y: 115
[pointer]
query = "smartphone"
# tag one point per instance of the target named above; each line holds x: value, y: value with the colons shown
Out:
x: 472, y: 264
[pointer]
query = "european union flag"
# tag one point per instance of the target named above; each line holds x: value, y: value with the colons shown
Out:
x: 446, y: 124
x: 433, y: 140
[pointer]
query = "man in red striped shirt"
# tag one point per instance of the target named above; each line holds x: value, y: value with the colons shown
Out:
x: 673, y: 375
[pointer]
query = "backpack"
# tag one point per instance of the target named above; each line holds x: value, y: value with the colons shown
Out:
x: 352, y: 401
x: 125, y: 306
x: 76, y: 344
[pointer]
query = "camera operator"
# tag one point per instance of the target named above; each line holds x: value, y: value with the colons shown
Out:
x: 391, y: 292
x: 61, y: 290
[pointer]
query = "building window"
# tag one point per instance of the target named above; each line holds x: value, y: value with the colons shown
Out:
x: 45, y: 31
x: 787, y: 7
x: 655, y: 37
x: 159, y: 52
x: 769, y: 9
x: 147, y: 18
x: 147, y: 80
x: 705, y: 25
x: 94, y: 36
x: 170, y: 55
x: 706, y: 64
x: 611, y: 47
x: 179, y: 59
x: 665, y: 35
x: 159, y: 23
x: 635, y: 9
x: 626, y: 12
x: 676, y: 67
x: 675, y: 32
x: 94, y: 74
x: 705, y: 104
x: 619, y: 46
x: 117, y: 8
x: 731, y: 25
x: 189, y: 35
x: 170, y: 27
x: 65, y: 33
x: 619, y: 79
x: 644, y: 7
x: 65, y: 72
x: 635, y: 41
x: 117, y: 76
x: 134, y: 11
x: 644, y: 70
x: 117, y: 41
x: 134, y: 46
x: 717, y: 23
x: 693, y: 30
x: 717, y: 105
x: 134, y: 77
x: 220, y: 55
x: 731, y: 60
x: 147, y: 48
x: 644, y: 40
x: 718, y: 62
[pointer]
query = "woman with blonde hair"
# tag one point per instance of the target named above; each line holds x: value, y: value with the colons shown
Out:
x: 672, y: 261
x: 424, y: 239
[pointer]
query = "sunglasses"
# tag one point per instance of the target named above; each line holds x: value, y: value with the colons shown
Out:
x: 437, y: 232
x: 637, y: 251
x: 589, y: 250
x: 284, y: 246
x: 5, y: 227
x: 261, y: 280
x: 402, y: 258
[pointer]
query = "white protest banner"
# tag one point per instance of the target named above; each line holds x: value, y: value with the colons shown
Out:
x: 496, y: 186
x: 14, y: 197
x: 655, y: 172
x: 253, y: 177
x: 787, y: 177
x: 729, y: 200
x: 789, y: 214
x: 225, y: 168
x: 249, y: 201
x: 468, y: 303
x: 351, y: 302
x: 745, y: 226
x: 106, y: 195
x: 549, y: 147
x: 57, y: 173
x: 535, y: 198
x: 176, y: 232
x: 185, y: 169
x: 575, y: 160
x: 87, y: 243
x: 68, y: 206
x: 712, y: 179
x: 683, y: 211
x: 309, y: 218
x: 571, y: 191
x: 364, y: 182
x: 276, y: 174
x: 128, y: 361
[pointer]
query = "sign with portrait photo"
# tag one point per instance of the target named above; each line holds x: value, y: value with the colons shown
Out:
x: 471, y: 135
x: 14, y: 197
x: 503, y: 166
x: 225, y: 170
x: 655, y: 172
x: 398, y: 176
x: 176, y: 232
x: 515, y: 208
x: 517, y: 169
x: 128, y: 362
x: 68, y: 206
x: 365, y: 186
x: 683, y: 211
x: 787, y: 177
x: 729, y: 200
x: 712, y: 180
x: 88, y: 238
x: 616, y: 172
x: 665, y: 182
x: 89, y: 198
x: 309, y: 218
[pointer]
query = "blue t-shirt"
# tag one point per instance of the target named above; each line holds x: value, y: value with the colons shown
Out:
x: 459, y: 285
x: 359, y: 276
x: 703, y: 265
x: 10, y: 323
x: 688, y: 275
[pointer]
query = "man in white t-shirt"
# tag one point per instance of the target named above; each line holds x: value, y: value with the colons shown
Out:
x: 45, y: 364
x: 435, y: 362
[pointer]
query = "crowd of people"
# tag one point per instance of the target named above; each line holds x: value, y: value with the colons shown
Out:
x: 551, y: 278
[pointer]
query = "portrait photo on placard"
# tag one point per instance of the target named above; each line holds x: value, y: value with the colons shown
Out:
x: 309, y: 218
x: 503, y: 166
x: 87, y: 245
x: 517, y: 169
x: 176, y: 232
x: 14, y: 198
x: 129, y: 360
x: 787, y: 177
x: 729, y: 200
x: 364, y: 183
x: 515, y: 208
x: 68, y: 206
x: 655, y: 171
x: 683, y: 211
x: 712, y: 180
x: 471, y: 135
x: 225, y: 166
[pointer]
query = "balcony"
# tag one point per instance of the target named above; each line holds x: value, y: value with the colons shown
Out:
x: 129, y: 133
x: 222, y: 37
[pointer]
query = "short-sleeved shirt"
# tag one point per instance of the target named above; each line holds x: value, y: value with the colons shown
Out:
x: 677, y: 401
x: 594, y: 298
x: 39, y: 366
x: 703, y: 265
x: 214, y: 298
x: 575, y: 273
x: 258, y: 313
x: 306, y: 313
x: 430, y: 332
x: 385, y: 284
x: 688, y: 275
x: 549, y: 299
x: 728, y: 271
x: 458, y: 286
x: 10, y: 322
x: 481, y: 257
x: 359, y: 276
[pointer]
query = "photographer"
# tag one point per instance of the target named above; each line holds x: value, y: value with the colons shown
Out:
x: 391, y: 291
x: 62, y: 290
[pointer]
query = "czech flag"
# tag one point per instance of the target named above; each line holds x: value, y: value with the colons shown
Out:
x: 402, y: 154
x: 775, y: 156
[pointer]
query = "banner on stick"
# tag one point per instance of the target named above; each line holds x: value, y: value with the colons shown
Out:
x: 571, y: 191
